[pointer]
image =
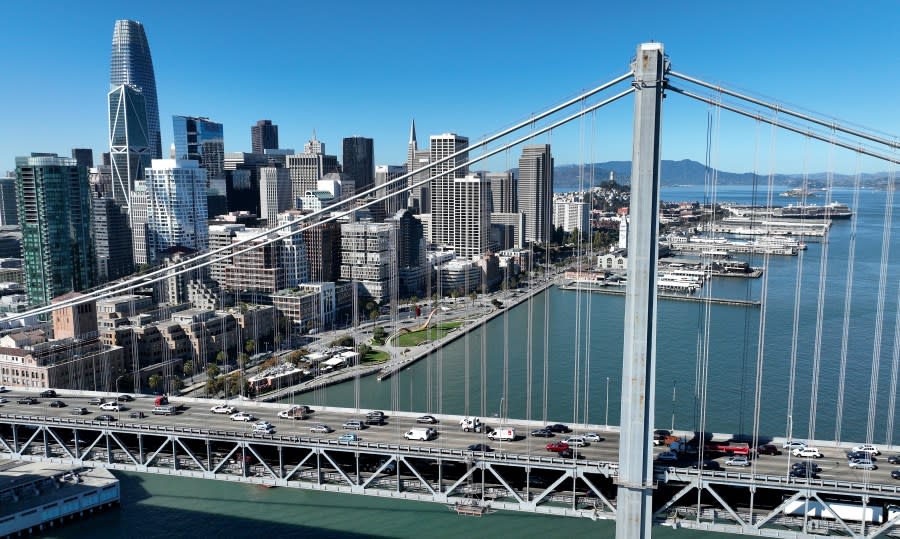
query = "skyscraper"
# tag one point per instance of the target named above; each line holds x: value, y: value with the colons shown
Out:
x: 503, y: 192
x: 383, y: 175
x: 176, y: 206
x: 129, y: 141
x: 274, y: 192
x: 83, y: 156
x: 536, y: 191
x: 419, y: 197
x: 470, y: 215
x: 114, y: 253
x: 442, y: 188
x: 359, y: 161
x: 131, y: 64
x: 54, y: 210
x: 263, y: 136
x: 203, y: 141
x: 8, y: 216
x: 309, y: 167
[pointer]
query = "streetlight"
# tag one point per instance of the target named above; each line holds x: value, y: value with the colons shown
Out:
x: 606, y: 421
x: 116, y: 398
x: 501, y: 424
x: 790, y: 449
x: 673, y: 406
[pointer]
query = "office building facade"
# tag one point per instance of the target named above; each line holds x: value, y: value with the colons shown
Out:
x: 443, y: 186
x: 129, y: 141
x: 176, y: 206
x: 263, y: 136
x: 132, y: 65
x: 536, y: 191
x: 359, y: 161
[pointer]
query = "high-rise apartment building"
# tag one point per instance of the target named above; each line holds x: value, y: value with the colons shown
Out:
x: 367, y: 252
x: 8, y: 216
x: 129, y: 141
x: 419, y: 197
x: 442, y: 187
x: 274, y: 192
x: 112, y: 240
x: 359, y: 161
x: 570, y: 215
x: 504, y: 197
x: 263, y: 136
x: 54, y: 210
x: 176, y: 206
x: 410, y: 254
x: 470, y: 216
x: 204, y: 141
x: 309, y: 167
x: 132, y: 65
x: 536, y: 191
x: 323, y: 251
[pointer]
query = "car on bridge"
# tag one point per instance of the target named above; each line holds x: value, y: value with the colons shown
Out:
x: 48, y: 394
x: 667, y: 456
x: 737, y: 461
x: 807, y: 452
x: 3, y: 389
x: 96, y: 401
x: 559, y: 428
x: 27, y: 400
x: 803, y: 473
x: 57, y: 404
x: 576, y: 441
x: 894, y: 459
x: 481, y: 448
x: 78, y: 411
x: 792, y: 444
x: 768, y: 449
x: 862, y: 464
x: 556, y: 447
x: 427, y: 419
x: 349, y: 437
x: 111, y: 407
x: 895, y: 474
x: 243, y: 416
x: 592, y: 437
x: 857, y: 455
x: 867, y: 448
x: 264, y: 427
x: 706, y: 465
x: 125, y: 398
x: 321, y: 429
x: 806, y: 465
x: 542, y: 433
x: 105, y: 417
x: 354, y: 424
x: 223, y: 409
x: 137, y: 414
x: 3, y: 400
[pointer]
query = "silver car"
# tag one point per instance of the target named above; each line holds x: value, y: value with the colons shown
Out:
x: 862, y: 464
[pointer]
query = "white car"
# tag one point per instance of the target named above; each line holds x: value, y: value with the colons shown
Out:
x: 667, y: 456
x: 737, y: 461
x: 3, y: 400
x: 242, y: 416
x: 223, y: 409
x: 591, y: 437
x: 111, y: 407
x: 576, y: 441
x: 867, y: 448
x: 321, y: 429
x: 807, y: 452
x: 2, y: 389
x: 264, y: 426
x: 792, y: 444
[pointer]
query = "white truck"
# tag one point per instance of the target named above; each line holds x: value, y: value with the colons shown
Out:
x: 503, y: 434
x: 420, y: 433
x: 469, y: 424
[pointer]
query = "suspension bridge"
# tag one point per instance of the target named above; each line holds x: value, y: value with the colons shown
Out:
x: 618, y: 475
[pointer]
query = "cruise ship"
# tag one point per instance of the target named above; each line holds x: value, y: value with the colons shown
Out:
x: 833, y: 210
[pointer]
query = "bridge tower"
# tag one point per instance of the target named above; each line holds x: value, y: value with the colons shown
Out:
x: 634, y: 509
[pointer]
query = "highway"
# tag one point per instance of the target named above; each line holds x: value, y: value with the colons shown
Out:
x: 196, y: 414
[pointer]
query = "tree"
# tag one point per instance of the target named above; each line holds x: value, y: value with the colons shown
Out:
x: 379, y: 335
x: 154, y: 381
x: 188, y: 369
x: 177, y: 384
x: 363, y: 351
x: 414, y: 299
x: 454, y: 294
x: 222, y: 356
x: 242, y: 359
x: 473, y: 296
x: 373, y: 315
x: 250, y: 346
x: 212, y: 371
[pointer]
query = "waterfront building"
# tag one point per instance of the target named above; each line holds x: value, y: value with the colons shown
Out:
x: 54, y: 210
x: 176, y: 206
x: 359, y: 161
x: 263, y: 136
x: 383, y: 175
x: 8, y: 216
x: 571, y: 215
x: 132, y: 65
x: 444, y: 200
x: 113, y: 248
x: 504, y: 194
x: 461, y: 275
x: 308, y: 306
x: 129, y: 141
x: 536, y: 191
x: 367, y: 252
x: 419, y: 197
x: 256, y: 265
x: 275, y: 192
x: 470, y: 216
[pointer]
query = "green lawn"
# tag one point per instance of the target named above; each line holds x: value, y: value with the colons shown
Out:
x: 415, y: 338
x: 376, y: 356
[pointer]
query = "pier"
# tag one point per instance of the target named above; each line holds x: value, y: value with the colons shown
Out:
x: 618, y: 291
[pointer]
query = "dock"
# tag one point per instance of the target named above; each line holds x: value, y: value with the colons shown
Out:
x: 618, y: 291
x: 38, y: 495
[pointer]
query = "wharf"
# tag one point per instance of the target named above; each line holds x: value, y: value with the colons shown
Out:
x: 37, y: 495
x: 617, y: 291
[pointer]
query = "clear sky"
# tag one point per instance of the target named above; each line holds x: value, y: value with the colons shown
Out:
x: 368, y: 68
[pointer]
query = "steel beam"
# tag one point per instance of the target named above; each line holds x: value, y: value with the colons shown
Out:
x: 635, y: 478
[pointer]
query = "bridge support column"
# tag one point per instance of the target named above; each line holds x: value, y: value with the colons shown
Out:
x: 634, y: 499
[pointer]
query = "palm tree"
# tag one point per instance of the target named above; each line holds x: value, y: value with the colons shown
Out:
x: 154, y: 381
x: 250, y: 346
x: 188, y: 369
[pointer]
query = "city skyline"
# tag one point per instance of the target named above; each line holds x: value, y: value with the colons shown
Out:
x: 752, y: 54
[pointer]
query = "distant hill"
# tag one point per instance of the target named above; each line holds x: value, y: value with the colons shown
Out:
x: 687, y: 172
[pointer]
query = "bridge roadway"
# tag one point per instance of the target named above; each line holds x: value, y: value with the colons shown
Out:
x: 588, y: 492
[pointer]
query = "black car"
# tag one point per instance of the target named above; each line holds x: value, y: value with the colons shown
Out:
x: 49, y: 393
x: 859, y: 455
x: 137, y: 414
x: 375, y: 413
x: 375, y: 420
x: 483, y: 448
x: 57, y: 404
x: 105, y: 417
x: 662, y: 432
x: 559, y: 428
x: 894, y: 459
x: 811, y: 466
x: 568, y: 453
x: 706, y: 465
x: 27, y: 400
x: 895, y: 474
x: 542, y: 433
x: 427, y: 419
x: 768, y: 449
x: 804, y: 473
x: 124, y: 398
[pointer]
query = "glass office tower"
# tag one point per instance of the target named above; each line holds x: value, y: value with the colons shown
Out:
x: 131, y: 64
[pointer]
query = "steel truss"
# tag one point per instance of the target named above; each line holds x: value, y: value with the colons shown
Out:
x: 499, y: 481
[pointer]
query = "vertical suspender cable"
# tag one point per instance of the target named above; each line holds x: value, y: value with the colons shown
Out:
x: 895, y: 367
x: 546, y: 377
x: 588, y: 196
x: 798, y: 287
x: 848, y: 300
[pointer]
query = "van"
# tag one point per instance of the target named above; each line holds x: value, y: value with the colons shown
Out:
x: 420, y: 433
x: 164, y: 410
x: 503, y: 434
x: 470, y: 424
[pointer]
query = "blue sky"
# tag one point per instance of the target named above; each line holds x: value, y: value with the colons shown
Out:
x: 368, y: 68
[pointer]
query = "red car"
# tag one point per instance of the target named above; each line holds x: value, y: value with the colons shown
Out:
x: 556, y: 447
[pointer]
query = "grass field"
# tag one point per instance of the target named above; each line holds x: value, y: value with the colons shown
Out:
x: 415, y: 338
x: 376, y: 356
